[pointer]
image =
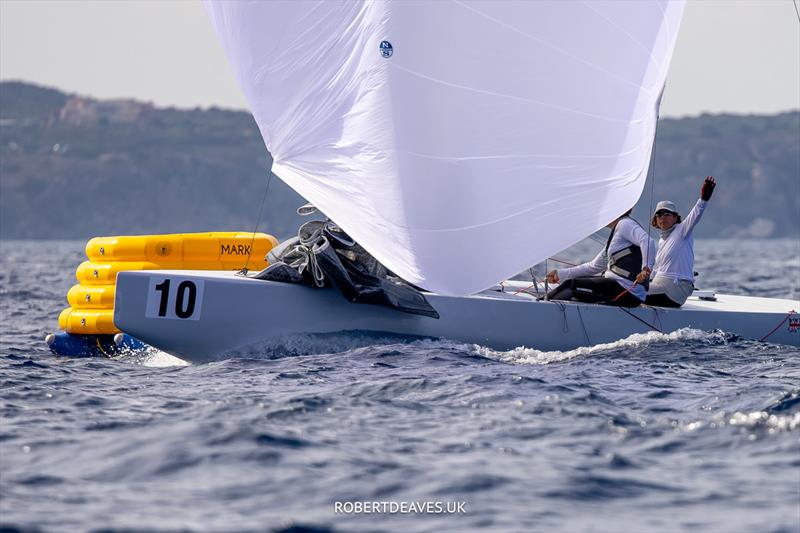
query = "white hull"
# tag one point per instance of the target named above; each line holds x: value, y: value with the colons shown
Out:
x: 202, y: 316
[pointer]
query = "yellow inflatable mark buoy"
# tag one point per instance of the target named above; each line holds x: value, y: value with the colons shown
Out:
x: 229, y: 248
x: 92, y: 296
x: 95, y: 273
x: 91, y: 302
x: 87, y: 321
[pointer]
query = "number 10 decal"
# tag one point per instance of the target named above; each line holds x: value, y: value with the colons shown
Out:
x: 174, y: 298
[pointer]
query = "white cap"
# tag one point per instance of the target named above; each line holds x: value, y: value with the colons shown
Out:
x: 665, y: 205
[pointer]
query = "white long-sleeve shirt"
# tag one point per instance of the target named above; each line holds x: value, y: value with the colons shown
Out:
x: 626, y: 233
x: 675, y: 257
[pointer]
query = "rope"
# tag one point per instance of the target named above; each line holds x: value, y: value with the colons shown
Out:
x: 762, y: 339
x: 258, y: 221
x: 535, y: 285
x: 651, y: 326
x: 546, y: 283
x: 563, y: 307
x: 100, y: 347
x: 557, y: 260
x: 586, y: 333
x: 525, y: 290
x: 796, y: 10
x: 620, y: 295
x: 652, y: 187
x: 658, y: 317
x: 598, y: 238
x: 535, y: 281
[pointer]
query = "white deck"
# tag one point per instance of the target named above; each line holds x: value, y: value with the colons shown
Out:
x: 724, y: 302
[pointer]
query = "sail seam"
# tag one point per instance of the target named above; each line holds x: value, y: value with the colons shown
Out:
x: 553, y: 47
x: 520, y: 98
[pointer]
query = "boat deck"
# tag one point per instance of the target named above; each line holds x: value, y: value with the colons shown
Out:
x: 723, y: 302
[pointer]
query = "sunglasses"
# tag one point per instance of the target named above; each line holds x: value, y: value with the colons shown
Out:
x: 664, y: 213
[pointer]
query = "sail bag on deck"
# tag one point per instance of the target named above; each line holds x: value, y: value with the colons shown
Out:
x: 458, y: 142
x: 322, y: 255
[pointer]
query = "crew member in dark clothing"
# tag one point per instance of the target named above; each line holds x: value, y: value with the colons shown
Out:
x: 627, y: 261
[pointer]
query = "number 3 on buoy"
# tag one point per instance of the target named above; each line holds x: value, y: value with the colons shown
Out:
x: 174, y: 298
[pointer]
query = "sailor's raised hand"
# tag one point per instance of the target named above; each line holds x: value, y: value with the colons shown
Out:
x: 552, y: 276
x: 708, y: 188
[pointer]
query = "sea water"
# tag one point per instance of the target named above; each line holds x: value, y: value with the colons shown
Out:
x: 690, y: 431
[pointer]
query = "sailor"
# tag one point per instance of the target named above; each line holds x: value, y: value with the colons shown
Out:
x: 673, y: 274
x: 625, y: 264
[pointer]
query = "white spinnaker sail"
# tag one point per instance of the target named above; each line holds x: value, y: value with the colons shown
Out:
x: 458, y: 141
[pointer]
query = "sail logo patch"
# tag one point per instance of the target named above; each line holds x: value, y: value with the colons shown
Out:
x: 794, y: 325
x: 386, y: 49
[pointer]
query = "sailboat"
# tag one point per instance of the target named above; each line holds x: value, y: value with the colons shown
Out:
x: 459, y: 143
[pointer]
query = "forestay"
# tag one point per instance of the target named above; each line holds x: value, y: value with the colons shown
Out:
x: 459, y: 142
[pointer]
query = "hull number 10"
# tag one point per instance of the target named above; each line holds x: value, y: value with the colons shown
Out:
x: 175, y: 298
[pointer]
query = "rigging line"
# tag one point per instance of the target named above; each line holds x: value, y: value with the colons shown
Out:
x: 656, y: 314
x: 651, y: 326
x: 535, y: 281
x: 563, y: 307
x: 658, y: 317
x: 796, y: 10
x: 258, y: 221
x: 546, y: 283
x: 586, y: 333
x: 652, y: 186
x: 557, y: 260
x: 623, y: 293
x: 597, y: 238
x: 792, y: 312
x: 525, y: 290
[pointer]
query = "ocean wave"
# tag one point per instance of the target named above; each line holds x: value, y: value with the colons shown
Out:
x: 754, y: 420
x: 684, y: 431
x: 762, y: 419
x: 531, y: 356
x: 301, y: 344
x: 298, y: 344
x: 150, y: 357
x: 780, y: 416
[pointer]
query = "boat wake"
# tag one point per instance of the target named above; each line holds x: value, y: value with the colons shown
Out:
x: 530, y: 356
x: 303, y: 344
x: 151, y: 357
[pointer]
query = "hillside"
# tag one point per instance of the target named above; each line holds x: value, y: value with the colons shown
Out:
x: 75, y: 167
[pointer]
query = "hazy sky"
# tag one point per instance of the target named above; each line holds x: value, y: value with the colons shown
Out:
x: 738, y: 56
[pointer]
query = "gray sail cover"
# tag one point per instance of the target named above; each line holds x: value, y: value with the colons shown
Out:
x: 459, y: 142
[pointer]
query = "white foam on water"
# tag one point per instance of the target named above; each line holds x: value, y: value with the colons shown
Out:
x: 159, y: 359
x: 764, y: 419
x: 754, y: 420
x: 150, y: 357
x: 530, y: 356
x: 306, y: 344
x: 312, y: 344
